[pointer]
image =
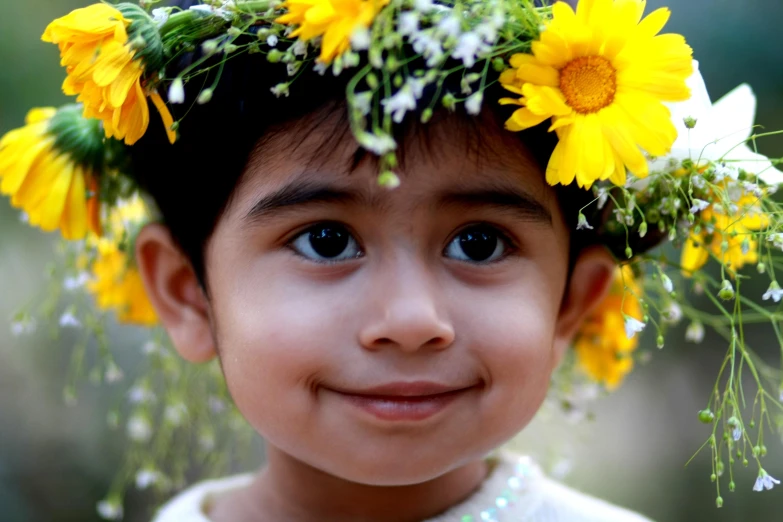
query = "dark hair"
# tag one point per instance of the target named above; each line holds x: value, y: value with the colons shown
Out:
x: 192, y: 181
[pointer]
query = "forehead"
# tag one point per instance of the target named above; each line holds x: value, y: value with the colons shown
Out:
x: 447, y: 154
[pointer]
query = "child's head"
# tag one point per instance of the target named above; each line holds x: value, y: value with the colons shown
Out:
x: 328, y: 298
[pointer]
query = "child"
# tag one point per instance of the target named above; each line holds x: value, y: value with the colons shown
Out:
x: 383, y: 342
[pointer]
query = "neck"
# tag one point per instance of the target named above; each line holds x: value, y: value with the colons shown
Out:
x: 290, y: 490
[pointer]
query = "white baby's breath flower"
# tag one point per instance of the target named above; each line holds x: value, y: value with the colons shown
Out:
x: 74, y: 283
x: 752, y: 188
x: 24, y: 217
x: 423, y: 6
x: 150, y: 348
x: 695, y: 332
x: 667, y: 284
x: 698, y: 205
x: 360, y: 39
x: 141, y: 395
x: 401, y: 102
x: 672, y: 313
x: 633, y: 326
x: 299, y: 48
x: 69, y: 320
x: 473, y: 103
x: 468, y: 48
x: 362, y: 102
x: 408, y: 23
x: 776, y: 239
x: 487, y: 32
x: 272, y: 40
x: 146, y: 478
x: 417, y: 86
x: 378, y: 143
x: 764, y: 481
x: 113, y: 373
x: 139, y: 429
x: 603, y: 197
x: 109, y: 509
x: 292, y: 68
x: 320, y: 67
x: 177, y: 91
x: 582, y: 223
x: 773, y: 292
x: 449, y: 27
x: 427, y: 46
x: 160, y: 16
x: 281, y: 89
x: 23, y: 326
x: 174, y: 414
x: 216, y: 405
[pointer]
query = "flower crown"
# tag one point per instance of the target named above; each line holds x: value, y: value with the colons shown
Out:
x: 635, y: 126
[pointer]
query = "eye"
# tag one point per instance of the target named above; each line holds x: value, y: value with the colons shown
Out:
x: 478, y: 244
x: 326, y: 242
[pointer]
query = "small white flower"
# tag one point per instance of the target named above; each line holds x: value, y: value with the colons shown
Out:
x: 216, y: 405
x: 695, y: 332
x: 109, y: 509
x: 22, y: 327
x: 699, y: 182
x: 667, y: 283
x: 633, y: 326
x: 74, y: 283
x: 401, y: 102
x: 177, y: 91
x: 417, y: 86
x: 408, y: 23
x: 473, y: 103
x: 292, y: 68
x: 423, y: 6
x: 113, y: 374
x: 141, y: 395
x: 24, y: 217
x: 753, y: 188
x: 449, y: 27
x: 281, y: 89
x: 487, y: 32
x: 603, y: 197
x: 175, y: 414
x: 774, y: 291
x: 360, y: 39
x: 272, y: 40
x: 139, y: 429
x: 736, y: 433
x: 379, y: 143
x: 146, y: 478
x: 776, y: 239
x: 362, y: 102
x: 320, y: 67
x: 160, y: 16
x: 430, y: 48
x: 764, y: 481
x: 299, y: 48
x: 150, y: 347
x: 672, y: 313
x: 68, y: 320
x: 698, y: 205
x: 468, y: 48
x: 582, y: 223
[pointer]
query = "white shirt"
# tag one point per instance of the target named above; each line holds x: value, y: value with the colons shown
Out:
x: 515, y: 491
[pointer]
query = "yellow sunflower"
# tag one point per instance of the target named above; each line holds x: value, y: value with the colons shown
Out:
x: 601, y: 75
x: 105, y: 71
x: 116, y: 282
x: 735, y: 230
x: 603, y: 349
x: 55, y: 190
x: 336, y: 20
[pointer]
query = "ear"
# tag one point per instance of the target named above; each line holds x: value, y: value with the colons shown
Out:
x: 175, y: 292
x: 590, y: 280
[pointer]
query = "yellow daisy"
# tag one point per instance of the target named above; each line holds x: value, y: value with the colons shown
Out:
x: 735, y: 230
x: 116, y: 282
x: 336, y: 20
x: 105, y: 72
x: 54, y: 190
x: 601, y: 75
x: 603, y: 349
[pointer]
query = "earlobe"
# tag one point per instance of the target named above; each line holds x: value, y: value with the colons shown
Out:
x: 590, y: 280
x: 176, y: 293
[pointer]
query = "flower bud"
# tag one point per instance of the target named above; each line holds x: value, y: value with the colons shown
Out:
x: 643, y: 229
x: 689, y: 122
x: 204, y: 96
x: 706, y: 416
x: 719, y: 502
x: 389, y: 180
x: 726, y: 291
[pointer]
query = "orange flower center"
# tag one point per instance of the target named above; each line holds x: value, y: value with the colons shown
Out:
x: 588, y: 83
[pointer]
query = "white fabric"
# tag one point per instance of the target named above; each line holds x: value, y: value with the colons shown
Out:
x: 539, y: 499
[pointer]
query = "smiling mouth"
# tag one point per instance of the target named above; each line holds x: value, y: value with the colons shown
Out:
x: 400, y: 402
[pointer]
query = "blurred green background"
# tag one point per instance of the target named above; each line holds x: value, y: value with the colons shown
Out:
x: 56, y: 462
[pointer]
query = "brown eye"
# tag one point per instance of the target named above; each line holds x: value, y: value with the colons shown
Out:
x: 326, y: 242
x: 477, y: 244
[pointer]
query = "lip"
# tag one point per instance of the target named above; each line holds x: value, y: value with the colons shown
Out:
x: 404, y: 401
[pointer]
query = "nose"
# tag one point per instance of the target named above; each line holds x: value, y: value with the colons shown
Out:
x: 406, y: 311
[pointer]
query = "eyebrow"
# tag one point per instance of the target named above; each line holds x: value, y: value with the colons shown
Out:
x: 296, y: 195
x: 299, y: 194
x: 517, y: 202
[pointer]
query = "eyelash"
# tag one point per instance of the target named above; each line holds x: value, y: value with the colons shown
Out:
x: 511, y: 246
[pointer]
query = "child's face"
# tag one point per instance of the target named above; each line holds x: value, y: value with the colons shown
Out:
x: 388, y: 336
